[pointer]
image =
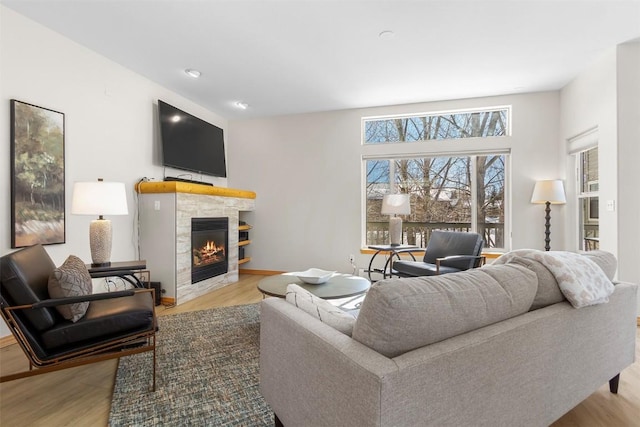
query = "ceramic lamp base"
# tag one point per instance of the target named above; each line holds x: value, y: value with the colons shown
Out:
x: 395, y: 230
x: 100, y: 241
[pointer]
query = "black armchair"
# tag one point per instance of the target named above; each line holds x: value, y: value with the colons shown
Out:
x: 446, y: 252
x: 115, y: 324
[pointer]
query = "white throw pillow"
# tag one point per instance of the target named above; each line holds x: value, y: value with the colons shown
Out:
x: 320, y: 309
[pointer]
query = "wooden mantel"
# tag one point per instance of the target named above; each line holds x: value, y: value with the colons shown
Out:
x: 187, y: 187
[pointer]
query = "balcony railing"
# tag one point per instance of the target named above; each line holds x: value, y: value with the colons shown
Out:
x: 418, y: 233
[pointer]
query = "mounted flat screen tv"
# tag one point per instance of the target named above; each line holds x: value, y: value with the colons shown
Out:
x: 190, y: 143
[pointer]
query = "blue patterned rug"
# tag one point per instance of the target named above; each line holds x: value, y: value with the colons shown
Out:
x: 207, y: 373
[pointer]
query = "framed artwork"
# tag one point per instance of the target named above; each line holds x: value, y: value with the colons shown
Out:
x: 37, y: 175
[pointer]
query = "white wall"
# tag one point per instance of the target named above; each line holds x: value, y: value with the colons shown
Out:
x: 628, y: 79
x: 606, y: 96
x: 110, y: 120
x: 306, y: 170
x: 589, y: 102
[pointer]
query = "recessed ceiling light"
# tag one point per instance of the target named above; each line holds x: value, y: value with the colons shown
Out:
x: 387, y: 35
x: 192, y: 73
x: 242, y: 105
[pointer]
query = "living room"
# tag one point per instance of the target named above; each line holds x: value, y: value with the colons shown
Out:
x: 309, y: 206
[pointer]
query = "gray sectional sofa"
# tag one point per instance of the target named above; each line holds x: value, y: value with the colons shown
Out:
x: 495, y: 346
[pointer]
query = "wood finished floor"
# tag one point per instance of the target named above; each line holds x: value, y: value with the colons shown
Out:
x: 82, y: 396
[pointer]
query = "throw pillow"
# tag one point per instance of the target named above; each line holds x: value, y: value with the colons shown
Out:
x: 320, y: 309
x: 71, y: 279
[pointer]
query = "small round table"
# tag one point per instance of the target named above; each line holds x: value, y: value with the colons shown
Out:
x: 339, y: 286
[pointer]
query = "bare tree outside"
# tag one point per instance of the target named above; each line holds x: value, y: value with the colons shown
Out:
x: 440, y: 188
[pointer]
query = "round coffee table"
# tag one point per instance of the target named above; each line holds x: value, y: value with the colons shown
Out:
x: 339, y: 286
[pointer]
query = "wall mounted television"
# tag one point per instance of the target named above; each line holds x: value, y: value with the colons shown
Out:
x: 190, y: 143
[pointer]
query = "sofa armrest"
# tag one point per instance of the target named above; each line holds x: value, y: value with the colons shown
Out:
x: 310, y: 374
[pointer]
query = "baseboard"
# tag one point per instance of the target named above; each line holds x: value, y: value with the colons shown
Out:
x: 259, y: 272
x: 167, y: 301
x: 6, y: 341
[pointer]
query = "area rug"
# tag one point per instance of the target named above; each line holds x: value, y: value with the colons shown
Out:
x: 207, y: 373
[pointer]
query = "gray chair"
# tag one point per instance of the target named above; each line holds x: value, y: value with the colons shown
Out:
x: 446, y: 252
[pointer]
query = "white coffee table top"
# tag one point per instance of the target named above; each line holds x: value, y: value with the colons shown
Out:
x: 339, y: 286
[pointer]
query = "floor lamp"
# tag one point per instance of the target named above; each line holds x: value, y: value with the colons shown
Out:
x: 395, y: 204
x: 549, y: 192
x: 99, y: 198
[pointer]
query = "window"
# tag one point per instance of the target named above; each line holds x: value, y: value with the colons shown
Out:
x: 460, y: 193
x: 588, y: 201
x: 441, y: 126
x: 462, y: 190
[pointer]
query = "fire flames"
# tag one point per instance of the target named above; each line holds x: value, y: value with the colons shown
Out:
x: 209, y: 253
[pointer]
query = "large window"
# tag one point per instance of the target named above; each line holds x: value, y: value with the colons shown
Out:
x: 461, y: 193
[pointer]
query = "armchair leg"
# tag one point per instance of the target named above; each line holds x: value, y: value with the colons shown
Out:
x: 613, y: 384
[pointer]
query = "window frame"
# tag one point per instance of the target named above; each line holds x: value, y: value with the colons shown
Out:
x: 454, y: 147
x: 586, y: 198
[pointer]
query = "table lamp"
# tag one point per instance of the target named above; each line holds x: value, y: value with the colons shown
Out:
x: 396, y: 204
x: 549, y: 192
x: 99, y: 198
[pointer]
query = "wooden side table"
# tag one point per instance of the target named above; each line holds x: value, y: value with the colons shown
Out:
x: 126, y: 270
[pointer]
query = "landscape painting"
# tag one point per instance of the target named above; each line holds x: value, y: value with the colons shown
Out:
x: 37, y: 175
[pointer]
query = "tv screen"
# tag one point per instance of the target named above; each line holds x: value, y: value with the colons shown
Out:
x: 190, y: 143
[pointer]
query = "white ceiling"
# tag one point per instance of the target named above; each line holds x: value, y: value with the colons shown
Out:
x: 295, y: 56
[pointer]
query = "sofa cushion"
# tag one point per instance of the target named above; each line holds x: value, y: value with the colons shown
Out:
x: 104, y: 318
x: 605, y: 260
x: 548, y: 290
x: 69, y: 280
x: 399, y: 315
x: 320, y: 309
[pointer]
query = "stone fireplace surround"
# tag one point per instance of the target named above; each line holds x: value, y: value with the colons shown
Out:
x: 165, y: 210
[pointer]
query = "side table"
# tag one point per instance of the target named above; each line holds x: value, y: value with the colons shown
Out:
x: 388, y: 265
x: 126, y: 270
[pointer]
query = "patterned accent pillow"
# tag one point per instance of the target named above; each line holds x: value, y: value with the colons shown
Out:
x: 69, y: 280
x: 320, y: 309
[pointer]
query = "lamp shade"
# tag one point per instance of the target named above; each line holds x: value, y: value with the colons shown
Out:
x: 396, y: 204
x: 551, y: 191
x: 99, y: 198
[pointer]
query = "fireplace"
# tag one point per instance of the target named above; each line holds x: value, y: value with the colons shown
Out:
x: 209, y: 242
